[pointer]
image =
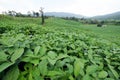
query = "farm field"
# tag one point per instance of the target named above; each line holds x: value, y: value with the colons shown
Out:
x: 58, y: 50
x: 110, y: 32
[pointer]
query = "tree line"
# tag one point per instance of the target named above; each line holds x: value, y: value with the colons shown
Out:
x: 29, y: 14
x: 98, y: 22
x: 19, y: 14
x: 41, y: 14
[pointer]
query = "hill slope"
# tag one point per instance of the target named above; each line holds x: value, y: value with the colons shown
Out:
x: 115, y: 16
x: 58, y: 50
x: 63, y: 14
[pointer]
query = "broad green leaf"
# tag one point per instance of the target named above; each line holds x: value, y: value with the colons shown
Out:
x: 43, y: 67
x: 7, y: 41
x: 51, y: 61
x: 35, y: 61
x: 108, y: 54
x: 22, y: 78
x: 115, y: 63
x: 67, y: 59
x: 36, y: 73
x: 61, y: 56
x: 70, y: 68
x: 52, y: 54
x: 109, y: 79
x: 28, y: 52
x: 28, y: 66
x: 18, y: 37
x: 90, y: 54
x: 86, y: 77
x: 110, y: 74
x: 102, y: 74
x: 101, y: 66
x: 72, y: 46
x: 113, y: 71
x: 119, y: 67
x: 65, y: 50
x: 54, y: 73
x: 3, y: 56
x: 95, y: 75
x: 38, y: 78
x: 60, y: 63
x: 5, y: 65
x: 91, y: 69
x: 10, y: 51
x: 43, y: 50
x: 78, y: 66
x: 107, y: 60
x: 30, y: 77
x: 18, y: 53
x: 26, y: 59
x: 36, y: 50
x: 32, y: 56
x: 71, y: 78
x: 12, y: 74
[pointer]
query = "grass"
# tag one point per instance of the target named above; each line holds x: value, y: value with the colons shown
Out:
x: 110, y: 32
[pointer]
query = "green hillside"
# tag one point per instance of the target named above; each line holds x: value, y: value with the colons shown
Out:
x: 110, y: 32
x: 58, y: 50
x: 112, y: 16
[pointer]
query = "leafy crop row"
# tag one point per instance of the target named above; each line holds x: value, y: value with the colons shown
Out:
x: 56, y: 55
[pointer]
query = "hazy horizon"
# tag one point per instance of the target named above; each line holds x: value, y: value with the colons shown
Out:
x: 83, y: 7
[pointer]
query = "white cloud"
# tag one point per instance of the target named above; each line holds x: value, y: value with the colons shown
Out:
x: 94, y: 7
x: 2, y: 9
x: 17, y: 5
x: 85, y: 7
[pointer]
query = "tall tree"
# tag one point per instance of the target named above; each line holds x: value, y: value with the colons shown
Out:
x: 34, y: 14
x: 37, y: 14
x: 42, y: 15
x: 11, y: 13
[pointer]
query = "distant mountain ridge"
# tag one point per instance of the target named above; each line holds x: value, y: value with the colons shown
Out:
x: 63, y: 14
x: 115, y: 16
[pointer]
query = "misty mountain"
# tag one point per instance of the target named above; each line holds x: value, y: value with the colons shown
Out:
x: 115, y: 16
x: 63, y: 14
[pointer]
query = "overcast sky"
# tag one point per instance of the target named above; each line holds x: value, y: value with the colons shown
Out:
x: 83, y: 7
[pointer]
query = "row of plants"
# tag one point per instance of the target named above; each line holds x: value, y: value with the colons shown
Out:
x: 31, y: 52
x: 50, y: 55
